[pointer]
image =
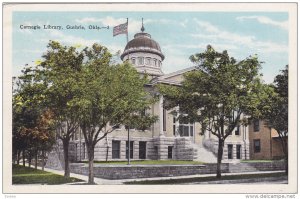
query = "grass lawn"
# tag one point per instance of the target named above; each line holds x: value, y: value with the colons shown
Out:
x: 205, y: 179
x: 26, y: 175
x: 149, y: 162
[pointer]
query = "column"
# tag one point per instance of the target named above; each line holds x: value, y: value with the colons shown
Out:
x: 161, y: 115
x: 177, y: 123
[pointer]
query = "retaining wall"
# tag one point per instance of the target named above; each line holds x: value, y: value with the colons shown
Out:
x: 149, y: 171
x: 146, y: 171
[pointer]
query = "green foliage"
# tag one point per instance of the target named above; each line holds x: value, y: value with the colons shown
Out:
x: 112, y: 95
x: 218, y: 92
x: 275, y: 109
x: 32, y: 123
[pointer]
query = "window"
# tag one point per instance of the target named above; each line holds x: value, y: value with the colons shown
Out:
x: 174, y: 126
x: 256, y: 125
x: 141, y: 60
x: 238, y: 151
x: 237, y: 131
x: 154, y: 62
x: 185, y: 129
x: 147, y: 61
x: 229, y: 151
x: 133, y: 61
x: 142, y: 150
x: 83, y: 147
x: 170, y: 152
x: 256, y: 146
x: 131, y: 149
x: 115, y: 149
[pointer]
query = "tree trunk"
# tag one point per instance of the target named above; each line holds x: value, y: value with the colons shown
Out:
x: 91, y: 164
x: 36, y: 159
x: 29, y: 160
x: 66, y: 157
x: 23, y: 156
x: 286, y: 157
x: 18, y: 157
x: 220, y: 155
x: 43, y: 160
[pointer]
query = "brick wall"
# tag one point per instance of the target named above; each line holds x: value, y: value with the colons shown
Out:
x: 264, y: 135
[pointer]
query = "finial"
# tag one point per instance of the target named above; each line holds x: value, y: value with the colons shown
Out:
x: 142, y: 29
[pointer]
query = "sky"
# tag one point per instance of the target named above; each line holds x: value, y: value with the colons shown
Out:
x: 180, y: 35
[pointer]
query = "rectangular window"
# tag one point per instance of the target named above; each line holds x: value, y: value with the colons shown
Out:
x: 83, y: 147
x: 170, y: 152
x: 256, y: 146
x: 174, y: 126
x: 115, y: 149
x: 256, y: 125
x: 237, y: 131
x: 229, y: 151
x: 185, y: 129
x: 141, y: 60
x: 147, y: 62
x: 142, y: 150
x: 238, y: 151
x: 131, y: 149
x: 191, y: 131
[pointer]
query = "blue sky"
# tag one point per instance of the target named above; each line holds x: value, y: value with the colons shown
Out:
x: 180, y: 34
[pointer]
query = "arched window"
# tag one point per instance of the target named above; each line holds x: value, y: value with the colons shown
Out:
x: 147, y: 61
x: 154, y: 62
x: 141, y: 60
x: 133, y: 61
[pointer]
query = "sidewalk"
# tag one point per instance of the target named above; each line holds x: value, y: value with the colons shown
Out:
x: 102, y: 181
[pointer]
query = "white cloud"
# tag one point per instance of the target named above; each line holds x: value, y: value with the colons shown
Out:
x: 88, y: 20
x: 57, y: 35
x: 133, y: 25
x: 265, y: 20
x: 183, y: 23
x: 213, y: 34
x: 175, y: 62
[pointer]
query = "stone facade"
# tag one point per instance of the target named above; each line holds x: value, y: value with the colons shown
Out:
x: 157, y: 148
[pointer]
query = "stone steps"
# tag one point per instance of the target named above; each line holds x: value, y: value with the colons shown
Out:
x: 203, y: 155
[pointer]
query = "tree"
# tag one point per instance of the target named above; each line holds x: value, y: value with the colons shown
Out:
x: 217, y: 94
x: 58, y: 71
x: 275, y: 110
x: 31, y: 122
x: 111, y: 93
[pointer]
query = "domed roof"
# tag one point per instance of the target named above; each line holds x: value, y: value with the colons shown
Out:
x: 142, y: 42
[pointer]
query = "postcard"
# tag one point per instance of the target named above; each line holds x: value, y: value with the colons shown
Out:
x: 150, y: 98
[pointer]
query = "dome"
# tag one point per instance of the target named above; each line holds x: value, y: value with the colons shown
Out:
x: 142, y: 42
